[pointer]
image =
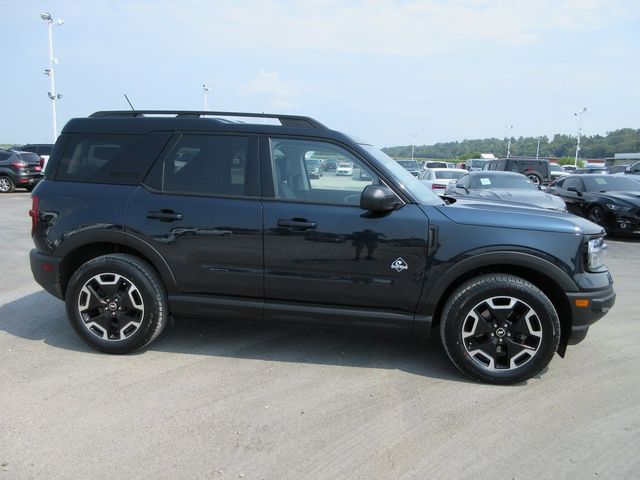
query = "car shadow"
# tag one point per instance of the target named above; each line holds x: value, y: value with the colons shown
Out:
x: 42, y: 318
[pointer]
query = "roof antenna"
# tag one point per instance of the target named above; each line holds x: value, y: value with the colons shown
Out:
x: 125, y: 96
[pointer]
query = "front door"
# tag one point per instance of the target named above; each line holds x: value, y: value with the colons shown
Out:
x: 322, y: 249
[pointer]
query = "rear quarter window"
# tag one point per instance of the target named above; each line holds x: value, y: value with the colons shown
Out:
x: 115, y: 159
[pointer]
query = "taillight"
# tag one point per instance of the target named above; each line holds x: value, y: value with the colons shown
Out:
x: 18, y: 164
x: 435, y: 186
x: 34, y: 213
x: 41, y: 162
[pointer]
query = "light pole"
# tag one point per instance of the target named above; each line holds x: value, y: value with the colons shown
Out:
x: 413, y: 137
x: 48, y: 19
x: 206, y: 89
x: 579, y: 115
x: 509, y: 143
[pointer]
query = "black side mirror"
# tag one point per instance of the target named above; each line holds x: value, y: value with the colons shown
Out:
x: 463, y: 187
x: 377, y: 198
x: 575, y: 190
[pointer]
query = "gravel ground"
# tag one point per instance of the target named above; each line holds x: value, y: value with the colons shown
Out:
x: 243, y: 400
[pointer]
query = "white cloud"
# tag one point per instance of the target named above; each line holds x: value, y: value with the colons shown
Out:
x: 270, y: 86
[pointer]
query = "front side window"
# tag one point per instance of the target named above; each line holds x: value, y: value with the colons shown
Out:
x: 572, y: 182
x: 296, y: 169
x: 217, y: 165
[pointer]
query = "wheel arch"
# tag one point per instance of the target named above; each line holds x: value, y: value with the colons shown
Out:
x: 82, y: 253
x: 549, y: 278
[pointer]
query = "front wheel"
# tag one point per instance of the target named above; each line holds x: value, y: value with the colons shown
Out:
x: 596, y: 215
x: 499, y: 329
x: 116, y: 303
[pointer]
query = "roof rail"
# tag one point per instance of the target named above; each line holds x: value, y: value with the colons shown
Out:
x: 285, y: 120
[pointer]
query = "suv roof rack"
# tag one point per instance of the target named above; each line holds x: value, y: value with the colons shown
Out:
x: 285, y: 120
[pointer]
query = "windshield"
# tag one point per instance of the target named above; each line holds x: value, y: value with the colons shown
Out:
x: 344, y: 165
x: 449, y: 174
x: 412, y: 164
x: 610, y: 183
x: 476, y: 163
x: 403, y: 178
x: 555, y: 168
x: 512, y: 182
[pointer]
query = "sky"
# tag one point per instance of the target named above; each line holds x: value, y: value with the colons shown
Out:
x: 389, y: 72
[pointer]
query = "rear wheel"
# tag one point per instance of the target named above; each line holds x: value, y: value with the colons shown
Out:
x: 6, y: 184
x: 499, y: 329
x: 535, y: 178
x: 116, y: 303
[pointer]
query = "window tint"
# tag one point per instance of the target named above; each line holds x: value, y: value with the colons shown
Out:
x: 296, y: 181
x: 219, y: 165
x: 44, y: 150
x: 28, y: 148
x: 572, y: 182
x: 116, y: 159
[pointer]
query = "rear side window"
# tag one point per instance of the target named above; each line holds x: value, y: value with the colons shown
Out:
x: 115, y: 159
x: 216, y: 165
x: 5, y: 155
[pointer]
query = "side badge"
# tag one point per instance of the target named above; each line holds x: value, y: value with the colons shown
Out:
x: 399, y: 264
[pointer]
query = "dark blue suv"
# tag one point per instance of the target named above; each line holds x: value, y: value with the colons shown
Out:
x: 145, y: 215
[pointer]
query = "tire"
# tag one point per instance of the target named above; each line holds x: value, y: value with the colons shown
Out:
x: 6, y: 184
x: 499, y: 329
x: 116, y: 303
x: 535, y: 178
x: 596, y: 215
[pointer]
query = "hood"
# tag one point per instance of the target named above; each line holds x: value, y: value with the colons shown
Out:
x: 534, y: 198
x: 630, y: 197
x: 490, y: 213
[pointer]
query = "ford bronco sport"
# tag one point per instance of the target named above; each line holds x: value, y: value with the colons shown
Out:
x: 145, y: 215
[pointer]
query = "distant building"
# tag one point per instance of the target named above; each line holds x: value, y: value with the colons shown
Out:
x: 623, y: 159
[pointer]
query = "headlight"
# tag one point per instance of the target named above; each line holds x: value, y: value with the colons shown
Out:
x: 617, y: 208
x: 595, y: 254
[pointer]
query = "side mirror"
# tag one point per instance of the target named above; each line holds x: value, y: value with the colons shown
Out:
x: 377, y: 198
x: 463, y: 187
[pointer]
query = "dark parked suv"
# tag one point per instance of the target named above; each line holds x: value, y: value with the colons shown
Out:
x: 142, y: 217
x: 19, y: 170
x: 536, y: 170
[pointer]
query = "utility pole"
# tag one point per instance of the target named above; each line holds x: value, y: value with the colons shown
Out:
x: 579, y: 115
x: 509, y: 143
x: 206, y: 89
x: 538, y: 149
x: 413, y: 137
x: 48, y: 19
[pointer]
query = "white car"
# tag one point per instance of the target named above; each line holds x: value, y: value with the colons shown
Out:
x: 438, y: 178
x: 344, y: 169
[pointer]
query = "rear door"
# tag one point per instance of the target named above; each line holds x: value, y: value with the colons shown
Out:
x: 323, y: 250
x: 200, y: 210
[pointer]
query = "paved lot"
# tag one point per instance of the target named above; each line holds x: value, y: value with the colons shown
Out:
x: 227, y: 400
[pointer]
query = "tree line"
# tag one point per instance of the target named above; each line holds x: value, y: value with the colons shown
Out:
x: 626, y: 140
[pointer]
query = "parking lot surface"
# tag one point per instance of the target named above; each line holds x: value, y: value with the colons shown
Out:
x: 245, y: 400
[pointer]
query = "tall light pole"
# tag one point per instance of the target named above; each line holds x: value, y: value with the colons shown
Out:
x: 579, y: 115
x: 509, y: 144
x: 413, y: 137
x: 48, y: 19
x: 206, y: 90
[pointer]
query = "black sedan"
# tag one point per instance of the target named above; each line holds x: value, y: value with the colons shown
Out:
x: 507, y: 187
x: 611, y: 201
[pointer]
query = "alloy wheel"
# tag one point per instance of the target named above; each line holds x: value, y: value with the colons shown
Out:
x: 502, y: 333
x: 111, y: 306
x: 5, y: 184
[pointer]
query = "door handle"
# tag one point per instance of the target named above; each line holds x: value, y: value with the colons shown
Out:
x: 164, y: 215
x: 296, y: 223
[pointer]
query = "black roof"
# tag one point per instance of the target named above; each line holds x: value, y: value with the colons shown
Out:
x: 146, y: 121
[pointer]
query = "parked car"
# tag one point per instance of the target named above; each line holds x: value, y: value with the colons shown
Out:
x: 411, y: 166
x: 314, y: 169
x: 330, y: 165
x: 505, y: 186
x: 612, y: 201
x: 634, y: 169
x: 506, y: 287
x: 556, y: 171
x: 439, y: 178
x: 19, y: 170
x: 536, y: 170
x: 344, y: 169
x: 568, y: 168
x: 590, y: 171
x: 434, y: 164
x: 42, y: 149
x: 613, y: 169
x: 474, y: 164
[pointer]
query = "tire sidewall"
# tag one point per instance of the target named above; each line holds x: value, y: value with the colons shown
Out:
x: 456, y: 312
x: 151, y: 293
